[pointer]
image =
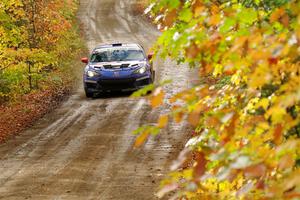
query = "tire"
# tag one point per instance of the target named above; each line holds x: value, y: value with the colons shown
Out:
x: 153, y: 77
x: 89, y: 94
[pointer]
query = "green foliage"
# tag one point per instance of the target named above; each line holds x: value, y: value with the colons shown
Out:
x: 144, y: 91
x: 265, y: 4
x: 246, y: 114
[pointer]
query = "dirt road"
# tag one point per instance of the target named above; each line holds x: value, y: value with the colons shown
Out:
x: 83, y: 150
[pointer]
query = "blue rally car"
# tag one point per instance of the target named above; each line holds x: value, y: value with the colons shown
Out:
x: 117, y: 67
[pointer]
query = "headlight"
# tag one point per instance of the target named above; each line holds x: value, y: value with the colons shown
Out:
x: 91, y: 74
x: 141, y: 70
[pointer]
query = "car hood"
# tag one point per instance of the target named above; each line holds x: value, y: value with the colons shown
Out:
x: 111, y: 66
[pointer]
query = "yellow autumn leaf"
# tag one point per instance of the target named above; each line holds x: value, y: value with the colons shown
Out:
x: 277, y: 114
x: 260, y: 77
x: 163, y: 121
x: 264, y: 103
x: 218, y: 69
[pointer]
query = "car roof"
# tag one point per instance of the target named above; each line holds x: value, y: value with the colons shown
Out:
x: 134, y: 45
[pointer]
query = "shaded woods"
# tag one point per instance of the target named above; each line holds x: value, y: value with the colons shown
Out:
x: 38, y: 42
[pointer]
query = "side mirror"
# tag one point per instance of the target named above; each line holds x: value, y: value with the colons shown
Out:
x: 150, y: 56
x: 85, y: 60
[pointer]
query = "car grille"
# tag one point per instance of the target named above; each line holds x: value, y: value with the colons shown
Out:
x: 117, y: 84
x: 115, y: 66
x: 107, y: 66
x: 124, y: 65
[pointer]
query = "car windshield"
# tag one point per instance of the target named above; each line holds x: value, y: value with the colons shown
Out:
x: 117, y: 54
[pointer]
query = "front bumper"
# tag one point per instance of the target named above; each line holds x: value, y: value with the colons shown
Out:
x: 124, y: 84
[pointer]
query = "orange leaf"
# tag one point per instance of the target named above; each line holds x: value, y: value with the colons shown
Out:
x: 178, y: 117
x: 212, y: 122
x: 273, y: 61
x: 170, y: 17
x: 214, y: 9
x: 255, y: 171
x: 157, y: 98
x: 285, y: 20
x: 278, y: 134
x: 192, y: 51
x: 286, y: 162
x: 292, y: 180
x: 260, y: 184
x: 215, y: 20
x: 292, y: 195
x: 230, y: 129
x: 276, y: 15
x: 141, y: 139
x: 198, y: 8
x: 201, y: 165
x: 163, y: 121
x: 193, y: 118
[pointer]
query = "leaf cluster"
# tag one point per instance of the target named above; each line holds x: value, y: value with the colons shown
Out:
x: 246, y: 115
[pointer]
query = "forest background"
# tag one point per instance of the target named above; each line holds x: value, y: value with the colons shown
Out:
x: 39, y: 41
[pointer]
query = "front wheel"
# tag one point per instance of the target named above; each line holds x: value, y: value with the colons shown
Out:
x: 153, y: 77
x: 89, y: 94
